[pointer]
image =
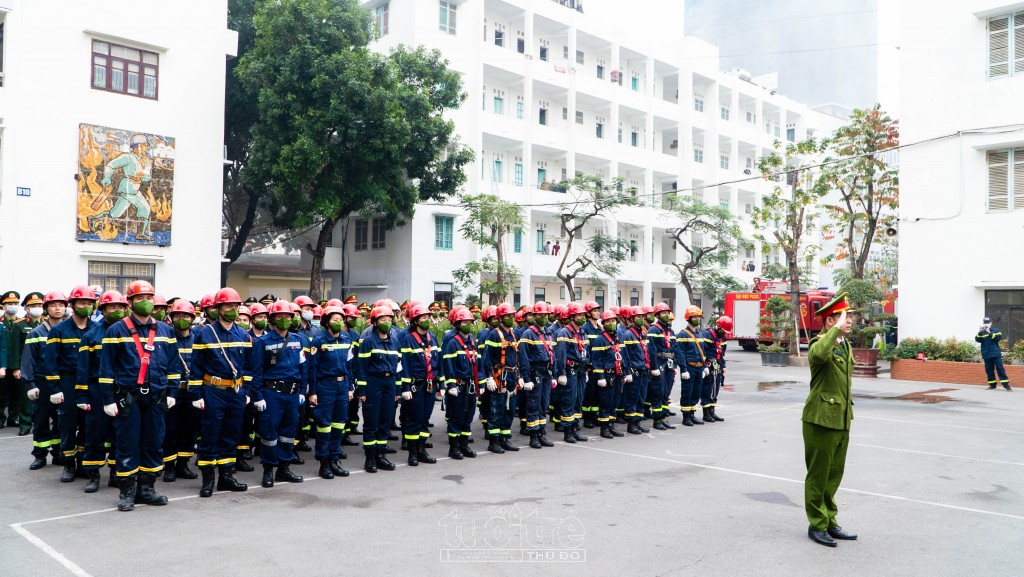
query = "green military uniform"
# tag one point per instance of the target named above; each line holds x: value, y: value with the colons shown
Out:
x: 826, y: 418
x: 11, y: 340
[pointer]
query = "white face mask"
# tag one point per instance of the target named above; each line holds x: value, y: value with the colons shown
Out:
x: 307, y: 316
x: 35, y: 312
x: 11, y: 309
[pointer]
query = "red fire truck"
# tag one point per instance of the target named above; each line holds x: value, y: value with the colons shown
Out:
x: 746, y: 309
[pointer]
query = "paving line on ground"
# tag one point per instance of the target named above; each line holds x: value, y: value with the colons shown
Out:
x: 799, y: 482
x: 50, y: 551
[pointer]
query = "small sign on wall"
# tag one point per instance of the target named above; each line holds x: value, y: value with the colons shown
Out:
x: 22, y: 191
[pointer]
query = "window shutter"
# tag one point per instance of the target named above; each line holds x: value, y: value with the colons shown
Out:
x: 998, y: 46
x: 1018, y: 43
x: 997, y: 180
x: 1018, y: 179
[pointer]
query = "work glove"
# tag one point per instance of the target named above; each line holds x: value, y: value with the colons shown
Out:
x: 602, y: 383
x: 521, y: 383
x: 527, y: 386
x: 655, y: 372
x: 247, y: 399
x: 407, y: 396
x: 302, y: 399
x: 628, y: 378
x: 491, y: 385
x: 200, y: 404
x: 111, y: 409
x: 57, y: 398
x: 260, y: 406
x: 706, y: 372
x: 454, y: 391
x: 561, y: 380
x: 33, y: 394
x: 83, y: 406
x: 686, y: 375
x: 398, y: 369
x: 171, y: 401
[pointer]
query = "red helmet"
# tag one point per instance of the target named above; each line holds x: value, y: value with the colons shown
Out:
x: 159, y: 300
x: 327, y: 312
x: 136, y: 288
x: 614, y: 309
x: 113, y: 298
x: 692, y: 311
x: 504, y: 309
x: 256, y: 309
x: 562, y: 311
x: 519, y: 315
x: 350, y: 310
x: 540, y: 308
x: 724, y: 323
x: 206, y: 302
x: 591, y: 305
x: 410, y: 304
x: 559, y: 309
x: 280, y: 307
x: 381, y: 303
x: 335, y: 303
x: 609, y: 315
x: 416, y: 310
x: 294, y: 308
x: 574, y: 308
x: 455, y: 309
x: 381, y: 311
x: 244, y: 310
x: 318, y: 311
x: 526, y: 309
x: 226, y: 295
x: 625, y: 312
x: 647, y: 309
x: 82, y: 292
x: 54, y: 296
x: 489, y: 312
x: 304, y: 301
x: 662, y: 308
x: 462, y: 314
x: 183, y: 306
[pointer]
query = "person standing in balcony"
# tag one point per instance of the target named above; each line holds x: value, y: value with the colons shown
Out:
x: 556, y: 249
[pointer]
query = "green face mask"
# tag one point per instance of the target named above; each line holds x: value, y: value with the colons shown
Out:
x: 243, y: 326
x: 212, y: 315
x: 509, y: 322
x: 650, y: 319
x: 694, y: 321
x: 542, y: 320
x: 466, y: 329
x: 664, y: 318
x: 230, y: 315
x: 160, y: 315
x: 578, y: 320
x: 260, y: 324
x: 424, y: 324
x: 352, y: 322
x: 383, y: 327
x: 142, y: 308
x: 283, y: 323
x: 638, y: 321
x: 295, y: 323
x: 609, y: 326
x: 335, y: 326
x: 530, y: 321
x: 83, y: 312
x: 182, y: 324
x: 113, y: 316
x: 494, y: 323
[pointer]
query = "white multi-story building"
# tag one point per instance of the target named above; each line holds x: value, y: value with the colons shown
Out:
x: 962, y: 194
x: 555, y: 92
x: 111, y: 143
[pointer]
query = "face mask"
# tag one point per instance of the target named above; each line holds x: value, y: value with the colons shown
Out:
x: 84, y: 312
x: 230, y: 315
x: 694, y: 321
x: 494, y: 323
x: 295, y: 323
x: 609, y: 326
x: 384, y: 326
x: 307, y: 316
x: 11, y: 309
x: 579, y: 320
x: 113, y: 316
x: 335, y: 326
x: 650, y: 319
x: 466, y: 329
x: 352, y: 322
x: 142, y: 308
x: 638, y: 321
x: 160, y: 315
x: 182, y: 324
x: 509, y: 322
x: 424, y: 324
x: 283, y: 324
x: 243, y: 326
x: 212, y: 315
x: 663, y: 318
x: 530, y: 321
x: 260, y: 324
x: 35, y: 312
x: 542, y: 320
x: 315, y: 324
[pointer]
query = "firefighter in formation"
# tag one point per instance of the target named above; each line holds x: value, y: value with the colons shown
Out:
x: 153, y: 383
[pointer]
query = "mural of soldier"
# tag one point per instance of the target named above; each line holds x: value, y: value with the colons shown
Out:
x: 137, y: 170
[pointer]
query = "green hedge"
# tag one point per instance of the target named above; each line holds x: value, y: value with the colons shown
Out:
x: 935, y: 350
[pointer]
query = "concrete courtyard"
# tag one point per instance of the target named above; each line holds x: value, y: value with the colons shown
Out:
x: 933, y: 486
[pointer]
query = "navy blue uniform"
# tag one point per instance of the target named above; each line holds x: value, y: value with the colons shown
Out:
x: 637, y: 358
x: 571, y: 363
x: 331, y: 382
x: 717, y: 358
x: 59, y: 368
x: 353, y: 405
x: 690, y: 357
x: 606, y: 356
x: 181, y: 423
x: 588, y: 406
x: 45, y: 426
x: 661, y: 346
x: 992, y: 356
x: 377, y: 382
x: 421, y: 376
x: 462, y: 372
x: 222, y: 364
x: 536, y: 352
x: 279, y: 377
x: 99, y: 427
x: 501, y: 352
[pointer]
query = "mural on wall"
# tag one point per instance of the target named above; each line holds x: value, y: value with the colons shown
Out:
x: 125, y: 186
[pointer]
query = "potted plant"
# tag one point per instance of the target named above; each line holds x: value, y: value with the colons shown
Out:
x: 861, y: 295
x: 775, y: 326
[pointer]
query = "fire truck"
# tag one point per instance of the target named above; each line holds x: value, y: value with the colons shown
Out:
x: 746, y: 309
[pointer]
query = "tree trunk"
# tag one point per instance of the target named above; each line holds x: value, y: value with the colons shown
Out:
x: 499, y: 275
x: 794, y: 303
x: 238, y: 244
x: 565, y: 278
x: 685, y: 281
x: 316, y: 272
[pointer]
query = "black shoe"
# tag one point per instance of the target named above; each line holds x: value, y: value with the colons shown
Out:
x: 421, y: 453
x: 325, y: 469
x: 297, y: 460
x: 543, y: 438
x: 112, y: 479
x: 667, y: 424
x: 696, y: 420
x: 392, y: 437
x: 386, y: 450
x: 341, y: 454
x: 208, y: 474
x: 576, y: 434
x: 642, y: 428
x: 268, y: 477
x: 820, y: 537
x: 588, y: 422
x: 568, y: 437
x: 620, y: 420
x: 383, y: 462
x: 615, y: 432
x: 633, y: 429
x: 285, y: 474
x: 470, y: 440
x: 348, y: 442
x: 991, y: 387
x: 1007, y: 386
x: 170, y: 475
x: 506, y: 443
x: 647, y: 414
x: 395, y: 427
x: 687, y: 419
x: 670, y: 413
x: 454, y: 448
x: 464, y: 447
x: 405, y: 444
x: 660, y: 425
x: 707, y: 416
x: 430, y: 425
x: 839, y: 533
x: 23, y: 432
x: 426, y: 444
x: 243, y: 465
x: 559, y: 428
x: 227, y: 482
x: 303, y: 446
x: 58, y: 460
x: 37, y: 463
x: 356, y: 431
x: 147, y: 494
x: 126, y: 500
x: 68, y: 474
x: 181, y: 469
x: 337, y: 470
x: 494, y: 446
x: 535, y: 441
x: 370, y: 466
x: 606, y: 432
x: 715, y: 416
x: 94, y: 481
x: 411, y: 446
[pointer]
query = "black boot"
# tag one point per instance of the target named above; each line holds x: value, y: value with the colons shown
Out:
x: 588, y: 420
x: 208, y: 474
x: 506, y: 443
x: 68, y: 474
x: 706, y: 412
x: 337, y: 470
x: 494, y: 445
x: 226, y: 482
x: 347, y: 441
x: 181, y: 469
x: 268, y: 476
x: 126, y: 500
x: 641, y: 427
x: 454, y: 448
x: 559, y: 428
x: 147, y: 494
x: 382, y: 459
x: 421, y: 452
x: 94, y: 481
x: 426, y: 444
x: 615, y: 432
x: 633, y: 429
x: 568, y: 436
x: 112, y: 479
x: 687, y: 419
x: 37, y: 463
x: 341, y: 453
x: 543, y: 438
x: 696, y: 420
x: 370, y: 466
x: 535, y: 440
x: 285, y: 474
x: 405, y: 444
x: 241, y: 464
x: 576, y: 433
x: 606, y: 432
x: 714, y: 415
x: 170, y: 475
x: 670, y: 412
x: 412, y: 445
x: 385, y: 450
x: 325, y: 469
x: 303, y: 446
x: 297, y: 460
x: 464, y: 447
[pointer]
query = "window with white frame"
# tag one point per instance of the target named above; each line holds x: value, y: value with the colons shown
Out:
x: 377, y: 242
x: 723, y: 160
x: 362, y: 234
x: 725, y: 113
x: 447, y: 16
x: 499, y: 105
x: 1005, y: 179
x: 519, y: 110
x: 698, y: 153
x: 698, y: 102
x: 1006, y: 45
x: 444, y: 232
x: 499, y: 38
x: 380, y: 16
x: 496, y: 172
x: 518, y: 174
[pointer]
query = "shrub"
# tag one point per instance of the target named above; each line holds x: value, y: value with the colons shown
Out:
x: 935, y: 350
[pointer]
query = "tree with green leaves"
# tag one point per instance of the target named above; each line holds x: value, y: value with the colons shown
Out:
x: 867, y: 185
x: 784, y: 214
x: 489, y: 221
x: 600, y: 253
x: 343, y: 130
x: 709, y: 235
